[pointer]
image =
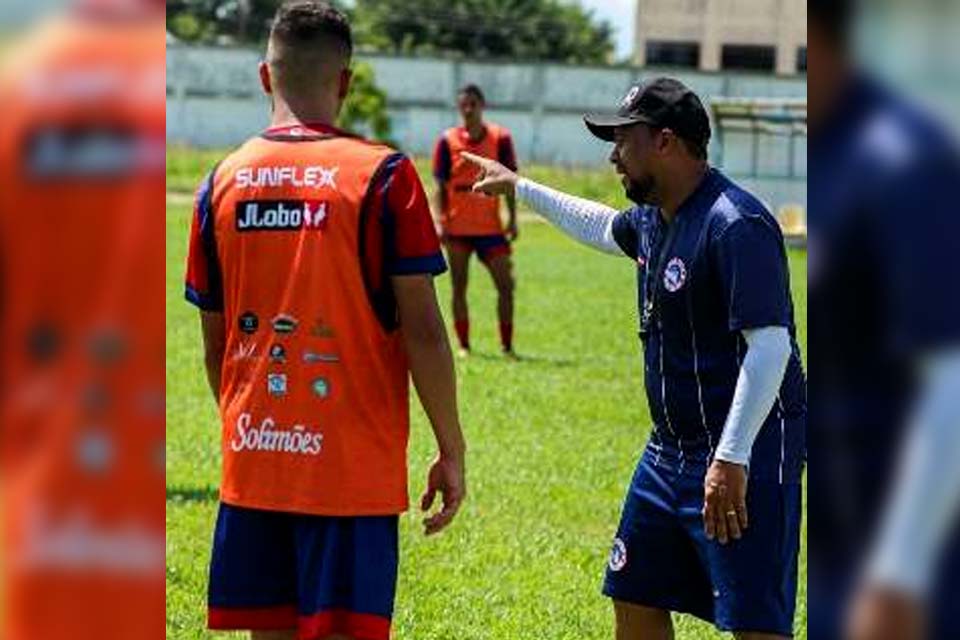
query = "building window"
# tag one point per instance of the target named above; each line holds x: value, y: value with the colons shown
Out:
x: 802, y: 59
x: 673, y: 54
x: 748, y: 57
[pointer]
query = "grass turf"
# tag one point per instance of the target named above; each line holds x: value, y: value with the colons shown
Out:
x: 553, y: 440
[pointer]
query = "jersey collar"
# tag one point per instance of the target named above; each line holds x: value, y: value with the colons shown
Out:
x: 465, y: 135
x: 703, y: 196
x: 305, y: 131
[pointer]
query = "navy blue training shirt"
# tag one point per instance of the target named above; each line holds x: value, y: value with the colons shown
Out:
x: 718, y: 268
x: 884, y: 272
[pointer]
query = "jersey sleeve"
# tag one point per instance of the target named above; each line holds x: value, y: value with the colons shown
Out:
x: 749, y: 257
x: 411, y: 245
x: 442, y: 162
x: 919, y: 268
x: 505, y: 152
x: 204, y: 285
x: 626, y: 232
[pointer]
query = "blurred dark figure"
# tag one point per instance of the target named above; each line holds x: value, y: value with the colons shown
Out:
x: 884, y: 332
x: 82, y: 324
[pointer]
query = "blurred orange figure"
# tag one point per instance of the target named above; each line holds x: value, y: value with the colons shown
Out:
x: 82, y: 263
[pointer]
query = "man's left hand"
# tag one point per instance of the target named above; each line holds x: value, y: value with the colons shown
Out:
x: 881, y: 613
x: 725, y: 501
x: 511, y: 231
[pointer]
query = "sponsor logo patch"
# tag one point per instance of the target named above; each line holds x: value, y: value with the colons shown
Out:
x: 320, y: 329
x: 245, y: 351
x: 318, y: 177
x: 278, y: 353
x: 311, y: 357
x: 277, y: 384
x: 284, y: 324
x: 321, y: 387
x: 248, y: 322
x: 298, y: 439
x: 281, y: 215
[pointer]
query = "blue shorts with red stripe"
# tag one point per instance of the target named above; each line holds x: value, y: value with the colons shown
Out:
x: 661, y: 557
x: 320, y: 575
x: 487, y: 247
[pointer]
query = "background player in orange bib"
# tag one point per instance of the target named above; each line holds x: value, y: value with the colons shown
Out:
x: 312, y: 259
x: 471, y: 221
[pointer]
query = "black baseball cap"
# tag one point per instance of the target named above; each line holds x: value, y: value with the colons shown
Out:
x: 659, y: 102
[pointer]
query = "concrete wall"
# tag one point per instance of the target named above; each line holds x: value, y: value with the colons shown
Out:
x: 214, y: 100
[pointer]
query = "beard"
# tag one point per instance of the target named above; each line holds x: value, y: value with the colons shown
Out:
x: 640, y: 191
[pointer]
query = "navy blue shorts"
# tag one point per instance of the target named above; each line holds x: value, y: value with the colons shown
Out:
x: 487, y: 247
x: 317, y: 574
x: 662, y: 558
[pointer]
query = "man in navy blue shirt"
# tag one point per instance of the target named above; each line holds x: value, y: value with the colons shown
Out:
x: 884, y: 328
x: 711, y: 521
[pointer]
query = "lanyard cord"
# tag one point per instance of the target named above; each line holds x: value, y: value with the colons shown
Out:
x: 650, y: 281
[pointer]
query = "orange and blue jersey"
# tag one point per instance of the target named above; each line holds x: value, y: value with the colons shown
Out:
x: 295, y: 238
x: 467, y: 213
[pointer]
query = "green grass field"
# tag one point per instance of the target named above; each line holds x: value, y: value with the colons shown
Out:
x: 553, y: 441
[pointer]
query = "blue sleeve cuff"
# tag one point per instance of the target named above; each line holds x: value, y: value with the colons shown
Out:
x: 203, y: 302
x: 433, y: 265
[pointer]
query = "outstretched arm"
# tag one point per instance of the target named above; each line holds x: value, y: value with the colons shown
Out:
x: 584, y: 220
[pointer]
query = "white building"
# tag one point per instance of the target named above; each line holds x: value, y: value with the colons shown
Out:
x: 723, y: 35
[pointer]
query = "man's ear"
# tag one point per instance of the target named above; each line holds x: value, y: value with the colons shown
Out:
x: 345, y: 77
x: 664, y: 138
x: 265, y: 78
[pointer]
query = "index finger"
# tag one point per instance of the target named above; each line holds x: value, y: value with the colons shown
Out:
x: 480, y: 161
x: 709, y: 518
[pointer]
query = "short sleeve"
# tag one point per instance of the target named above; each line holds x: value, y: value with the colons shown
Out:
x: 626, y: 232
x: 412, y: 246
x: 920, y: 269
x: 505, y: 152
x: 442, y: 162
x: 204, y: 285
x: 751, y: 261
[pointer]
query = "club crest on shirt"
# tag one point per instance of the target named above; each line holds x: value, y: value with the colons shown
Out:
x: 674, y: 275
x: 618, y: 555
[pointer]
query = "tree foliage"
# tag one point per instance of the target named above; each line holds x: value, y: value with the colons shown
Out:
x: 365, y: 110
x: 521, y: 29
x: 556, y: 30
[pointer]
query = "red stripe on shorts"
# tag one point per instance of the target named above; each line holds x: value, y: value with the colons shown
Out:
x: 361, y: 626
x: 262, y: 619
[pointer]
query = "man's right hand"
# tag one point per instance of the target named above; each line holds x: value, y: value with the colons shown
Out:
x: 446, y: 476
x: 495, y: 179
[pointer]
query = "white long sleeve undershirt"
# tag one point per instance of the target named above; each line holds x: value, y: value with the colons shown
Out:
x: 584, y: 220
x: 758, y: 383
x: 925, y: 500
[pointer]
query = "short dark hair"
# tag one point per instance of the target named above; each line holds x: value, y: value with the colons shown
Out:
x: 834, y: 18
x: 472, y: 90
x: 302, y: 22
x: 695, y: 149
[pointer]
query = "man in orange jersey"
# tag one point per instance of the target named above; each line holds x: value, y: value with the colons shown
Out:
x: 470, y: 221
x: 312, y: 259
